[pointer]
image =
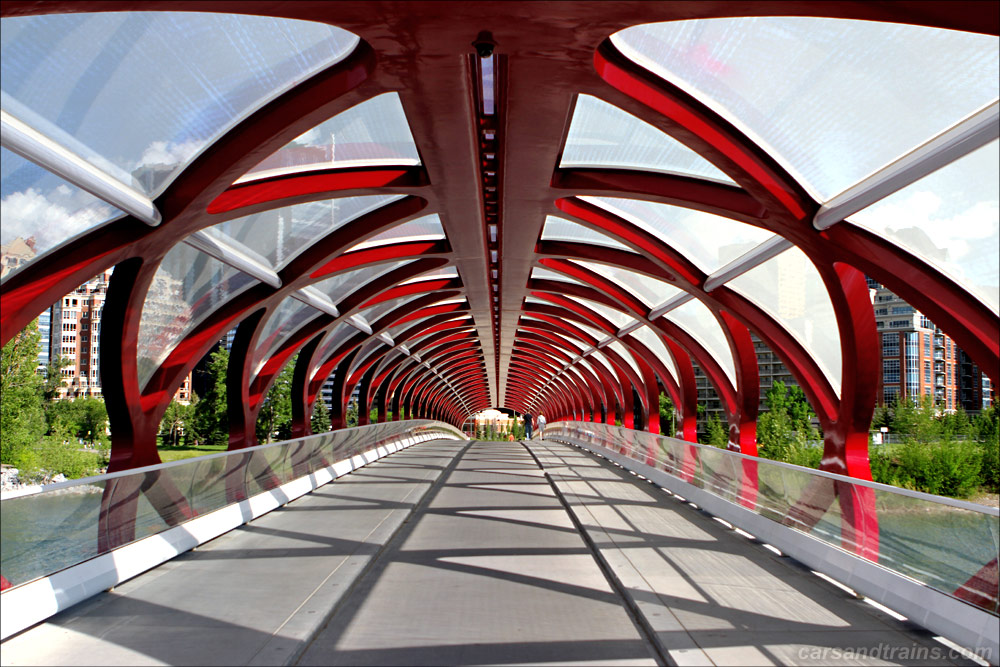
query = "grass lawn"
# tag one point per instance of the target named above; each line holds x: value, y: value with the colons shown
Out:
x: 178, y: 453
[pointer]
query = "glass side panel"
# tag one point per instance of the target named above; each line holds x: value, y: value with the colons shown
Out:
x: 279, y: 235
x: 374, y: 132
x: 710, y: 241
x: 951, y: 219
x: 333, y: 340
x: 652, y: 291
x: 75, y: 77
x: 561, y: 229
x: 602, y: 135
x: 833, y: 99
x: 40, y: 211
x: 282, y: 323
x: 655, y: 343
x: 789, y: 288
x: 547, y: 274
x: 695, y: 318
x: 340, y: 285
x: 187, y: 287
x: 623, y: 351
x: 424, y: 228
x: 616, y: 317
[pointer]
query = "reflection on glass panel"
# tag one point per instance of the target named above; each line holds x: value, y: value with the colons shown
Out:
x: 374, y: 132
x: 282, y: 323
x: 278, y: 235
x: 76, y: 77
x: 951, y: 219
x: 333, y: 340
x: 618, y: 347
x: 695, y: 318
x: 41, y: 211
x: 710, y: 241
x: 655, y: 343
x: 540, y: 273
x: 652, y: 291
x: 340, y: 285
x: 616, y: 317
x: 789, y: 288
x: 833, y: 99
x: 561, y: 229
x: 602, y: 135
x: 424, y: 228
x: 188, y: 286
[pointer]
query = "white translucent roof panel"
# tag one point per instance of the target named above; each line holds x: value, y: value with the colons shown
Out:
x: 279, y: 235
x: 375, y: 312
x: 40, y: 211
x: 560, y: 229
x: 651, y: 291
x: 340, y: 285
x: 616, y: 317
x: 400, y: 328
x: 424, y: 228
x: 139, y: 94
x: 618, y: 347
x: 789, y: 288
x: 436, y: 274
x: 655, y: 343
x: 541, y: 273
x: 695, y: 318
x: 281, y: 323
x: 187, y: 287
x: 602, y: 135
x: 374, y: 132
x: 951, y: 219
x: 596, y: 333
x: 833, y: 99
x: 710, y: 241
x: 333, y: 340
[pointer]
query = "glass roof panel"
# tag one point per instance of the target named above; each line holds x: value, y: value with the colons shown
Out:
x: 602, y: 135
x: 950, y: 218
x: 41, y: 211
x: 435, y: 274
x: 832, y: 99
x: 620, y: 348
x: 651, y: 291
x: 333, y: 340
x: 187, y: 287
x: 695, y: 318
x: 375, y: 312
x: 789, y: 288
x: 74, y: 77
x: 282, y: 323
x: 597, y: 334
x: 655, y: 343
x: 279, y: 235
x: 374, y: 132
x: 340, y: 285
x: 616, y: 317
x: 541, y: 273
x: 710, y: 241
x: 424, y: 228
x: 561, y: 229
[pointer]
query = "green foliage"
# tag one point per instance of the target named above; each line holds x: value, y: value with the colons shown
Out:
x: 22, y: 420
x: 668, y: 416
x: 274, y: 421
x: 176, y: 420
x: 211, y: 417
x: 351, y: 414
x: 917, y: 420
x: 373, y: 416
x: 785, y: 432
x: 986, y: 430
x: 947, y: 468
x: 52, y: 378
x: 320, y: 421
x: 55, y: 454
x: 718, y: 435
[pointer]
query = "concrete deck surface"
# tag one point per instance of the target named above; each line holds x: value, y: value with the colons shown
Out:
x: 472, y: 553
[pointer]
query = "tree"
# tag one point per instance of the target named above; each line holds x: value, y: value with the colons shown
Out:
x: 92, y: 418
x: 175, y: 420
x: 22, y: 420
x: 320, y: 422
x: 667, y: 415
x: 785, y: 431
x: 717, y: 433
x: 275, y: 417
x: 53, y: 379
x: 211, y: 416
x: 917, y: 420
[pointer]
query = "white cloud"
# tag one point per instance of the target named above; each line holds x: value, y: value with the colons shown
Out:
x: 168, y: 152
x: 51, y: 217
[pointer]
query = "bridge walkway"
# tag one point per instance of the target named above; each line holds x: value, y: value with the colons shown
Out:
x: 478, y: 553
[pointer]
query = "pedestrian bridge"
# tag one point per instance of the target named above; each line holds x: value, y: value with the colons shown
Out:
x: 409, y: 544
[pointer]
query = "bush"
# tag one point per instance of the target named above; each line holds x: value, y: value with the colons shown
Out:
x: 946, y: 468
x: 54, y: 455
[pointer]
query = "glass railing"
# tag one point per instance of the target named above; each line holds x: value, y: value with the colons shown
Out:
x: 948, y: 544
x: 67, y: 523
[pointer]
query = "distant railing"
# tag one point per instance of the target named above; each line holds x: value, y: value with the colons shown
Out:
x: 61, y: 525
x: 947, y: 544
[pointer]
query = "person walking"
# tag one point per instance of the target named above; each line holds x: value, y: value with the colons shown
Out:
x: 527, y: 425
x: 540, y: 422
